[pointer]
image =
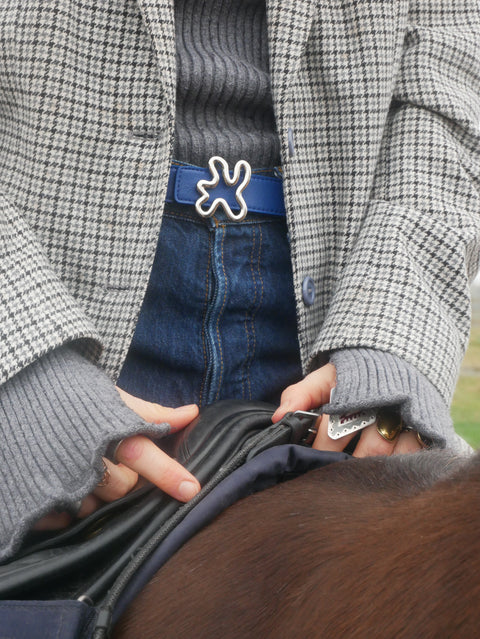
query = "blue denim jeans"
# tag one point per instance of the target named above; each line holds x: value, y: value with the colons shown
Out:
x: 218, y: 320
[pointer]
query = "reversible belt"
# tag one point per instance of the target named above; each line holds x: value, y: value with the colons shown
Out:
x: 238, y: 192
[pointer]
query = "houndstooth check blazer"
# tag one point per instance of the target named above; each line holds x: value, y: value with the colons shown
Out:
x: 382, y: 188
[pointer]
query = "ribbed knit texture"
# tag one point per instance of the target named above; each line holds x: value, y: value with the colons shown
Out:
x: 59, y: 416
x: 224, y: 103
x: 368, y: 378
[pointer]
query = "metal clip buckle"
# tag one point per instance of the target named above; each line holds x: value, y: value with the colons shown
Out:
x: 229, y: 181
x: 311, y: 432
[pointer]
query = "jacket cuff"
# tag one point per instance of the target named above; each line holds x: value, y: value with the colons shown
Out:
x: 58, y: 416
x: 369, y: 378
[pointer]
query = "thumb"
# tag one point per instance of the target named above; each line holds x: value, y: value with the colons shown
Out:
x: 313, y: 391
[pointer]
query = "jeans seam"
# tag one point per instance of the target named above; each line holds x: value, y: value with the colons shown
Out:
x: 204, y: 327
x: 259, y: 270
x: 220, y: 314
x: 248, y: 312
x: 257, y: 305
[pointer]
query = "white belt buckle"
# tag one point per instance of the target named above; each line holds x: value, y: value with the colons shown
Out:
x: 202, y: 185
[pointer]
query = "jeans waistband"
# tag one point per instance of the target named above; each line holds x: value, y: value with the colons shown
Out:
x: 263, y: 194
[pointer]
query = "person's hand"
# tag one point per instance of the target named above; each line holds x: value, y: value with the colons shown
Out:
x: 137, y: 457
x: 313, y: 391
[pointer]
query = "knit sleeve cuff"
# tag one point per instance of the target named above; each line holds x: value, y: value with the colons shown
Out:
x: 58, y: 416
x: 368, y: 378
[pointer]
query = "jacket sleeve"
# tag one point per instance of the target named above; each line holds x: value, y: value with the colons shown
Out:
x: 419, y: 243
x: 37, y: 313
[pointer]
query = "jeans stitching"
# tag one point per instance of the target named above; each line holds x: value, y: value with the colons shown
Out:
x: 249, y: 312
x: 257, y: 307
x: 220, y: 379
x: 204, y: 327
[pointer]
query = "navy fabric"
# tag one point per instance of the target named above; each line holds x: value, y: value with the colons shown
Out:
x: 263, y: 194
x: 46, y: 620
x: 218, y: 320
x: 263, y: 471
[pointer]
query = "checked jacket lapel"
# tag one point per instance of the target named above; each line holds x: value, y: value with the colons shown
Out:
x: 159, y: 18
x: 288, y: 28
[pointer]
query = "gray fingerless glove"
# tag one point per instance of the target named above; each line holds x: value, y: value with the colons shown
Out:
x: 368, y: 378
x: 57, y: 417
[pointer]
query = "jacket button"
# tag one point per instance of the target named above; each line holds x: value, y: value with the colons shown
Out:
x: 308, y: 291
x: 291, y: 142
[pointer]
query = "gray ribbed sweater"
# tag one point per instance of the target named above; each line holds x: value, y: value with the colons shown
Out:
x: 60, y: 414
x: 224, y: 103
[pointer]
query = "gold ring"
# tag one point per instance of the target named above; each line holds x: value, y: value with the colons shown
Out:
x: 423, y: 441
x: 105, y: 478
x: 389, y: 425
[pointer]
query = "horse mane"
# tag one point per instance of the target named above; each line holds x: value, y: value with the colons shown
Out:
x: 379, y: 547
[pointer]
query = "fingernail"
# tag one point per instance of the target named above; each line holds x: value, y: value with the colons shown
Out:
x: 281, y: 411
x: 187, y: 490
x: 186, y: 409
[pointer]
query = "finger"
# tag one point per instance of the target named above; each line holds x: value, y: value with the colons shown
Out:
x: 371, y: 443
x: 324, y: 442
x: 53, y: 521
x: 56, y: 520
x: 145, y: 458
x: 313, y: 391
x: 407, y: 442
x: 90, y: 504
x: 119, y: 481
x: 156, y: 413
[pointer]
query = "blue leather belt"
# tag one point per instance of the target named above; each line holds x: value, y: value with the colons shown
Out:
x: 263, y: 194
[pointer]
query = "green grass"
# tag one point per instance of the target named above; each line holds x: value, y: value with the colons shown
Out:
x: 466, y: 401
